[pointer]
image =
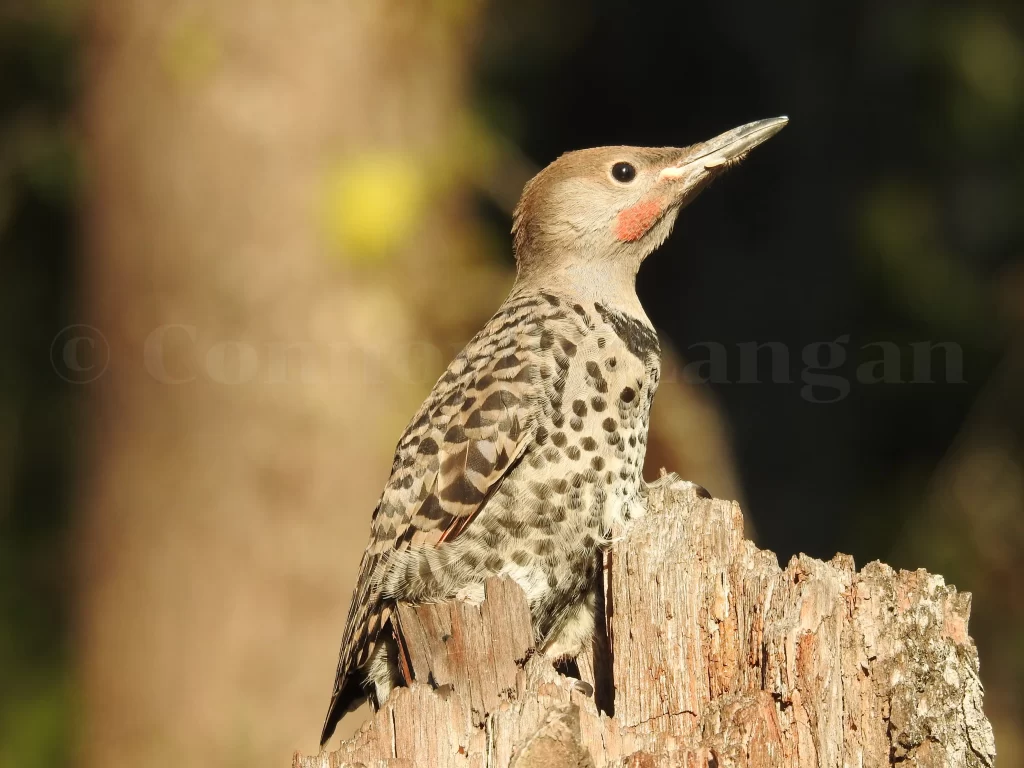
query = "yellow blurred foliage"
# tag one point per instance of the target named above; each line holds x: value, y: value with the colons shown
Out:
x: 902, y: 245
x: 989, y: 58
x: 191, y: 51
x: 373, y: 203
x: 473, y: 150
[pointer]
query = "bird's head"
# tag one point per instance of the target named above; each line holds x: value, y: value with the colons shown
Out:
x: 608, y: 208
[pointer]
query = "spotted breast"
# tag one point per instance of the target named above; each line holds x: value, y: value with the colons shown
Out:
x: 527, y: 452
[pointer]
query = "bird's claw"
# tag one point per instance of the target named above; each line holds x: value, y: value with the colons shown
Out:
x: 583, y: 687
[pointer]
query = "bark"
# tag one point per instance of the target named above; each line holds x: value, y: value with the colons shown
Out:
x: 719, y: 657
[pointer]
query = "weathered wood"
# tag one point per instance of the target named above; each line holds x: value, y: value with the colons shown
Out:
x: 719, y: 658
x: 473, y: 649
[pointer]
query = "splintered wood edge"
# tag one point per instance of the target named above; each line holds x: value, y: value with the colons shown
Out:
x: 801, y: 665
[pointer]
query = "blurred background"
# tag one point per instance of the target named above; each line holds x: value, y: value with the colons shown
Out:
x: 240, y: 240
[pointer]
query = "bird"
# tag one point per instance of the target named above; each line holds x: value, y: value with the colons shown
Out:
x: 528, y: 452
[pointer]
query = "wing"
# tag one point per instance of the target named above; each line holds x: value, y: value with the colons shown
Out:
x: 478, y: 421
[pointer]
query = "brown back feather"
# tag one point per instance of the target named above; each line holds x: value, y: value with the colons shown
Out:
x: 477, y: 422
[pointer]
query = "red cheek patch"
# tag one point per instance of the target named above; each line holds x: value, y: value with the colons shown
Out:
x: 633, y: 223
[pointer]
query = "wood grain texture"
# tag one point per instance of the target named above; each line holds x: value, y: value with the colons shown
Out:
x: 719, y: 658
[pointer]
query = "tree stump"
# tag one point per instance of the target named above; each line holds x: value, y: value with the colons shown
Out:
x: 714, y: 657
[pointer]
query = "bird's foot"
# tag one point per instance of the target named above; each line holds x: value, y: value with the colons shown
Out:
x: 569, y: 668
x: 583, y: 687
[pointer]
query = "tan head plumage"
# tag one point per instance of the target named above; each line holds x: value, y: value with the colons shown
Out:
x: 610, y: 207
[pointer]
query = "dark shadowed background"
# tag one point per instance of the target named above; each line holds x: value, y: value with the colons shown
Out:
x: 239, y: 241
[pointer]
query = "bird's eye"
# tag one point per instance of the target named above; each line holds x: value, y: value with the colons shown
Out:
x: 624, y: 172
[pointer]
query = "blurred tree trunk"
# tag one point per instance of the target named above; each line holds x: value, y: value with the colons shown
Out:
x: 259, y: 368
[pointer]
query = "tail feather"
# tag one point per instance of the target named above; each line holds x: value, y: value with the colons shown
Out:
x: 364, y: 627
x: 348, y: 698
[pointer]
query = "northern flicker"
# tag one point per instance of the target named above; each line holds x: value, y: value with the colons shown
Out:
x: 529, y: 449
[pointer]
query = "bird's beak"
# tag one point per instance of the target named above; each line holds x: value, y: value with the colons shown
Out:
x: 703, y: 161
